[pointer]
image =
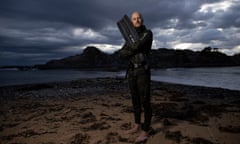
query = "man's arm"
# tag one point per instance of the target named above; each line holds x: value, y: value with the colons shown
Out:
x: 131, y: 49
x: 146, y: 38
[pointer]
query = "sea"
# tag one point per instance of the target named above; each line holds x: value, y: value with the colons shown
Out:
x: 219, y: 77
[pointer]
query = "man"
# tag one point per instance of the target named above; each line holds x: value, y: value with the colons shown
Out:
x: 138, y: 75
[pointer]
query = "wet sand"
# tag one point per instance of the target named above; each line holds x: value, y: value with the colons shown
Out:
x: 98, y: 111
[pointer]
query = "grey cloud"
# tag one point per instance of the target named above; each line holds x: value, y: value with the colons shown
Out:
x: 46, y: 27
x: 207, y: 35
x: 230, y: 18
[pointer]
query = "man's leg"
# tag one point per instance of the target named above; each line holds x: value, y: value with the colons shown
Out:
x: 144, y: 91
x: 136, y: 102
x: 147, y: 109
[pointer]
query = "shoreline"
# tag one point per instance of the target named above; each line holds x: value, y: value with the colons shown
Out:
x: 170, y: 75
x: 183, y: 88
x: 98, y: 110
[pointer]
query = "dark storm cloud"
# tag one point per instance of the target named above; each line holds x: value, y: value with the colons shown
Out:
x: 92, y: 13
x: 40, y: 30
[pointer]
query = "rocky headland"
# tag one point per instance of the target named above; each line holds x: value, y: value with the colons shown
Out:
x: 94, y: 59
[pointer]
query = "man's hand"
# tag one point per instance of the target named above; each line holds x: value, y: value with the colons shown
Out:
x: 125, y: 51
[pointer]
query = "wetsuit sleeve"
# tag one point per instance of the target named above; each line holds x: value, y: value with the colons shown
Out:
x: 144, y: 39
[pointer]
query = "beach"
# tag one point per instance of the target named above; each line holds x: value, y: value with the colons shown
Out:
x: 99, y: 110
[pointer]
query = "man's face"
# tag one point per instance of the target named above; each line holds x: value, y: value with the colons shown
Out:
x: 137, y: 20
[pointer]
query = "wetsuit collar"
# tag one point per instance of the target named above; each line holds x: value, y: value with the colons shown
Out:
x: 140, y: 29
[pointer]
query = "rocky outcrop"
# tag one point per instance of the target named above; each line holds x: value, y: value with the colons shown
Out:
x: 91, y: 58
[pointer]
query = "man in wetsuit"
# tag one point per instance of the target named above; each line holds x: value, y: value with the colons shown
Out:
x: 138, y: 75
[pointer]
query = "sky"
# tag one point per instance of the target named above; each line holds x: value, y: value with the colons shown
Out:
x: 36, y: 31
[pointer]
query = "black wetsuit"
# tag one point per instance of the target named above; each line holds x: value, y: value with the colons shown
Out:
x: 138, y: 75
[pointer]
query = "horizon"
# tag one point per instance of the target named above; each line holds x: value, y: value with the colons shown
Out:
x: 112, y: 52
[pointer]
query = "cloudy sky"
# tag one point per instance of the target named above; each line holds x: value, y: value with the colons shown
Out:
x: 35, y: 31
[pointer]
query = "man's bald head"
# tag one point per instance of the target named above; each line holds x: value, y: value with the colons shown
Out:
x: 137, y: 19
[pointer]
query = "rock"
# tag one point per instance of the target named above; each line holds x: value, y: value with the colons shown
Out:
x: 81, y: 139
x: 200, y: 141
x: 176, y: 136
x: 230, y: 129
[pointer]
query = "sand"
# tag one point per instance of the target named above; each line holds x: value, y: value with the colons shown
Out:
x: 98, y: 111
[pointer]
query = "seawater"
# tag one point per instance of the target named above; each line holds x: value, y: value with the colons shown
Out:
x: 16, y: 77
x: 222, y: 77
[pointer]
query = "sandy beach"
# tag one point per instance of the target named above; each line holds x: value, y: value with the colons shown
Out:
x: 98, y: 111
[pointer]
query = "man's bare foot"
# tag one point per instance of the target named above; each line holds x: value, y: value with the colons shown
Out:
x: 135, y: 129
x: 142, y: 137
